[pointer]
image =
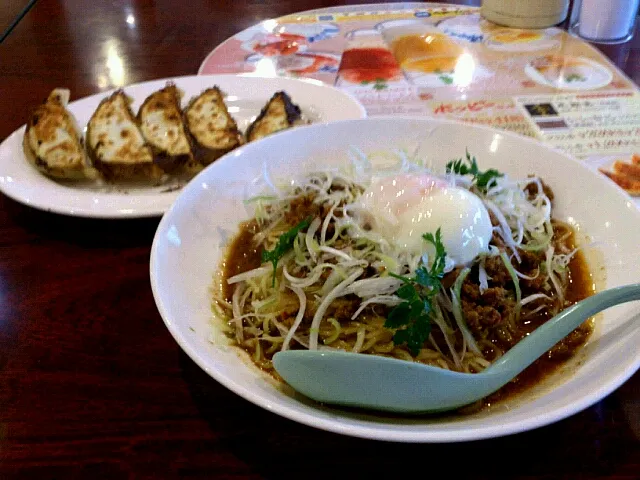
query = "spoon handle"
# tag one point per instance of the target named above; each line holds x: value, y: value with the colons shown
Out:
x: 551, y: 332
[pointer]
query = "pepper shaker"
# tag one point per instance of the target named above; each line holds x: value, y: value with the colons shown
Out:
x: 596, y: 21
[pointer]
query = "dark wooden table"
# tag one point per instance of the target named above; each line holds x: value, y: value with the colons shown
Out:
x: 91, y: 383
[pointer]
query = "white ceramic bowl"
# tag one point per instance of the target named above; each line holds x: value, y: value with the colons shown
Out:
x: 190, y: 240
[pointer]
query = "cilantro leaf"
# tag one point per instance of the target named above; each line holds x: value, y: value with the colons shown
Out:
x: 424, y: 278
x: 483, y: 179
x: 455, y: 166
x: 406, y: 292
x: 400, y: 277
x: 461, y: 168
x: 437, y: 268
x: 401, y: 336
x: 398, y: 316
x: 411, y: 318
x: 414, y: 337
x: 480, y: 179
x: 285, y: 243
x: 418, y: 307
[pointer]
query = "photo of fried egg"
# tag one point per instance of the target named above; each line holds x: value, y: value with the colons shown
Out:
x: 520, y: 40
x: 568, y: 73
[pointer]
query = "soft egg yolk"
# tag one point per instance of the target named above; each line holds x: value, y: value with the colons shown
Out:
x: 404, y: 207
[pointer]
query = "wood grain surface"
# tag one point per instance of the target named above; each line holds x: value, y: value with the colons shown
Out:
x: 91, y: 383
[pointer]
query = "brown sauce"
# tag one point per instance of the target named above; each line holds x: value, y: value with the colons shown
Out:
x: 580, y: 287
x: 242, y: 255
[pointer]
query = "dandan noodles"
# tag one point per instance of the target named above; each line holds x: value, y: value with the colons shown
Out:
x: 339, y: 283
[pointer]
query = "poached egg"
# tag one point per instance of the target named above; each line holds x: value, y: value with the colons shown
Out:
x: 402, y: 208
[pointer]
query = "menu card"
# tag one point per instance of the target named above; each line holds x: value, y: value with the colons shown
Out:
x: 449, y: 62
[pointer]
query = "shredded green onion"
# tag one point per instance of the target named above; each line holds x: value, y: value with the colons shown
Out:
x: 336, y: 331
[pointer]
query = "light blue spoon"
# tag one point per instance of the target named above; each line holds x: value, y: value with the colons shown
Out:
x: 380, y: 383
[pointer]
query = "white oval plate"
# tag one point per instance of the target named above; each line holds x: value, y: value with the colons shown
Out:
x: 191, y: 237
x: 246, y: 95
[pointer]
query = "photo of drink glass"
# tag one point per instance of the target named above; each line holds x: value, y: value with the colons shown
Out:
x: 424, y: 52
x: 367, y: 60
x: 428, y: 56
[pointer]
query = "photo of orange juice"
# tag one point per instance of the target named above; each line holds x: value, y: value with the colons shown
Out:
x: 421, y: 47
x: 427, y: 52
